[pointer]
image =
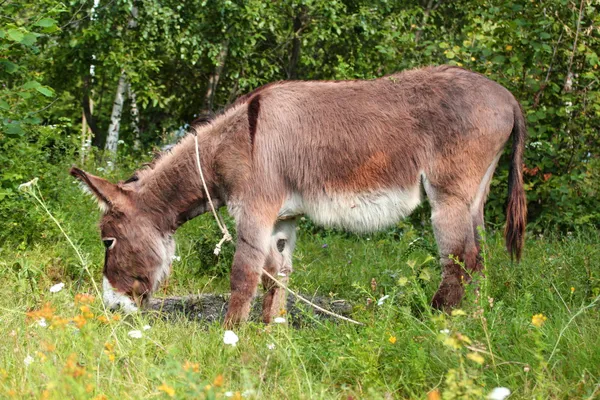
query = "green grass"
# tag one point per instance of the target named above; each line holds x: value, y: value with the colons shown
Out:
x: 400, y: 352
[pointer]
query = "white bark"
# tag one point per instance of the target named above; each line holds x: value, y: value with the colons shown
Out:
x: 86, y: 134
x: 112, y: 138
x: 135, y: 118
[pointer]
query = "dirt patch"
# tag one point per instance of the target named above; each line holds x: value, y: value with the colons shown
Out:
x: 212, y: 307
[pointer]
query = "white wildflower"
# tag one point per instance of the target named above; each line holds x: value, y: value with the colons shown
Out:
x: 228, y: 394
x: 445, y: 331
x: 381, y: 300
x: 279, y: 320
x: 146, y: 327
x: 57, y: 288
x: 28, y: 360
x: 271, y: 346
x: 42, y: 322
x: 136, y: 334
x: 176, y: 258
x: 230, y: 338
x: 499, y: 393
x: 27, y: 185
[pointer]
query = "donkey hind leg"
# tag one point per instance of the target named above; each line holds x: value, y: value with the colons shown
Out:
x: 251, y: 253
x: 453, y: 228
x: 479, y: 201
x: 278, y: 264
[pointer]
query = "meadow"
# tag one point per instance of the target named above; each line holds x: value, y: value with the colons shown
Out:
x: 104, y: 83
x: 533, y: 327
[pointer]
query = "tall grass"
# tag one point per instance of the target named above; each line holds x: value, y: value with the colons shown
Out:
x: 64, y: 344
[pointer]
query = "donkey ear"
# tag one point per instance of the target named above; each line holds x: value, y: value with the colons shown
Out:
x: 104, y: 191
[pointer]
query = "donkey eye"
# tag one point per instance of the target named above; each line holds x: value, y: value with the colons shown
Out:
x: 109, y: 243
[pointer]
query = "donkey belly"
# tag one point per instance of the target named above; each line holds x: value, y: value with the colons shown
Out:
x: 357, y: 212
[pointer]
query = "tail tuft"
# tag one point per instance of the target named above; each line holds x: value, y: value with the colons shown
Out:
x: 516, y: 209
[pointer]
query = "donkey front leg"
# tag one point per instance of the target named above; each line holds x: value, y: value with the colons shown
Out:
x: 250, y: 256
x: 279, y: 264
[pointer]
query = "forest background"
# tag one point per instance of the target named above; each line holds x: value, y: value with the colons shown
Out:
x: 107, y: 82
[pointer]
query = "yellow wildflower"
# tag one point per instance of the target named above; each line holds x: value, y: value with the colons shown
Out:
x: 458, y: 312
x: 84, y: 298
x: 48, y: 347
x: 218, y: 382
x: 476, y: 357
x: 508, y: 47
x: 434, y: 395
x: 79, y: 321
x: 538, y: 320
x: 167, y: 389
x: 572, y: 289
x: 190, y: 366
x: 392, y: 339
x: 46, y: 312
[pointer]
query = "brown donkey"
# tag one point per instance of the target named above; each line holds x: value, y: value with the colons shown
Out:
x: 350, y: 154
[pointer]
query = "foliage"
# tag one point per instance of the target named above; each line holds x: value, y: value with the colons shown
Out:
x: 55, y: 55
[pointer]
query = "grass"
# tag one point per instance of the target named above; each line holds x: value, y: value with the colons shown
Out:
x: 404, y: 350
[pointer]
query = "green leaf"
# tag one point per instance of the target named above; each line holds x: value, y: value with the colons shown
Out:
x: 14, y: 129
x: 15, y: 35
x: 29, y: 39
x: 45, y: 90
x: 46, y: 22
x: 9, y: 66
x: 31, y: 85
x: 4, y: 105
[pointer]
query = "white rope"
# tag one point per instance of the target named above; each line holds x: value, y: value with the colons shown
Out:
x: 282, y: 285
x: 226, y: 235
x: 227, y: 238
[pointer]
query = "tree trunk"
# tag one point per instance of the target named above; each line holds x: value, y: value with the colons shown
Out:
x: 431, y: 6
x: 135, y: 118
x: 112, y: 137
x: 213, y: 81
x: 87, y: 111
x: 296, y: 43
x: 86, y: 134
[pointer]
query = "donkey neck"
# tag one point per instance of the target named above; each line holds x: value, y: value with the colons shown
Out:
x: 171, y: 190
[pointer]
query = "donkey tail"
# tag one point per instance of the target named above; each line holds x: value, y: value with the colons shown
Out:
x: 516, y: 209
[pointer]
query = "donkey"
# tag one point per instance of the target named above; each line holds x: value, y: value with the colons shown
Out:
x: 351, y: 154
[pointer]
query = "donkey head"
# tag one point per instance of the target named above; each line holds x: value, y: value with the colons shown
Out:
x: 138, y: 252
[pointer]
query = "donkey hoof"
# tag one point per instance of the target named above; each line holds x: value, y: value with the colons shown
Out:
x: 448, y: 296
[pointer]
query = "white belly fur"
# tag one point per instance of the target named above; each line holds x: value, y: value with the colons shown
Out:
x: 356, y: 212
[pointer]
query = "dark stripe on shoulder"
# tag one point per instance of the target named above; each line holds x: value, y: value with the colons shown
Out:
x: 253, y: 111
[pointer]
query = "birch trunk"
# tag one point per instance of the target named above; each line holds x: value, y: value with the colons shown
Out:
x: 86, y: 133
x: 135, y: 118
x: 112, y: 138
